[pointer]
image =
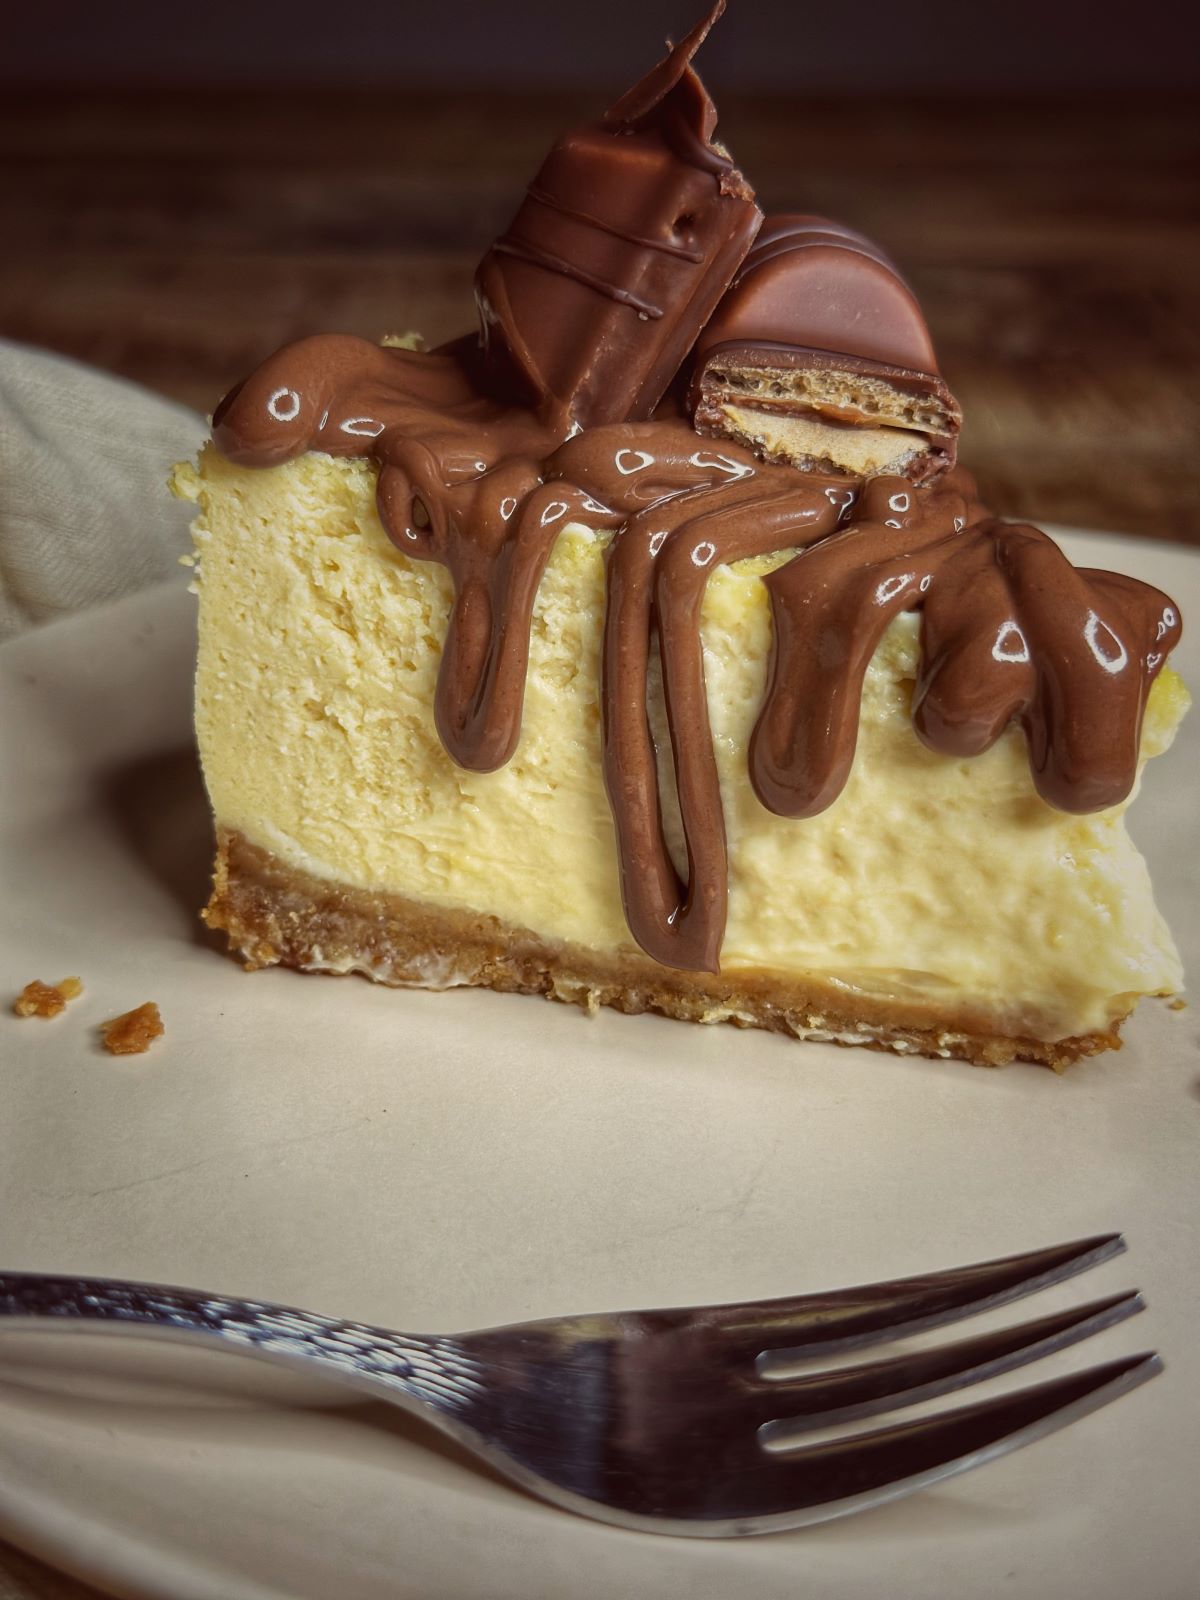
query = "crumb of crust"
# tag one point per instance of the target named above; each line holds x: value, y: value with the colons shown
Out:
x: 38, y: 999
x: 1178, y: 1004
x: 133, y: 1033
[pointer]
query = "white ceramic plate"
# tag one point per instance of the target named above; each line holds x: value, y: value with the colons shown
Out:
x: 449, y: 1161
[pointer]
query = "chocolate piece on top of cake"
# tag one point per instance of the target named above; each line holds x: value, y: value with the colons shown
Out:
x: 818, y: 356
x: 625, y: 241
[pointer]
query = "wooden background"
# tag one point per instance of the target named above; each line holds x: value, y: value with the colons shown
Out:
x: 176, y: 238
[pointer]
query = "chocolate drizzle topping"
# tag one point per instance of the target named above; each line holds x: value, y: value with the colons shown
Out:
x: 481, y: 479
x: 1010, y: 630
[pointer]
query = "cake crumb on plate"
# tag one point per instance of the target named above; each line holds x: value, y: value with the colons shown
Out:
x: 38, y: 999
x: 132, y: 1033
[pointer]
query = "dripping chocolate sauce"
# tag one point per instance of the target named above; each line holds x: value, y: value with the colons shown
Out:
x: 1010, y: 631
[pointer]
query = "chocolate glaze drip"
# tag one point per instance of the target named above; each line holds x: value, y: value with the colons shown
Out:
x: 1010, y: 630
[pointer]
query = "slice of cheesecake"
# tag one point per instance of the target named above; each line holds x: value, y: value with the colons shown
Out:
x: 650, y: 649
x: 938, y: 905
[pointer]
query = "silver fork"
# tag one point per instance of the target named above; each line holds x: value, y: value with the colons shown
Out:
x: 671, y: 1421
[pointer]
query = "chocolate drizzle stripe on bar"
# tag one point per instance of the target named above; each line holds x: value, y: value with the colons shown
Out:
x: 523, y: 250
x: 667, y: 246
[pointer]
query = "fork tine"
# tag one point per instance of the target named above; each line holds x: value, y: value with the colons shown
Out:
x: 849, y: 1319
x: 815, y: 1482
x: 820, y: 1399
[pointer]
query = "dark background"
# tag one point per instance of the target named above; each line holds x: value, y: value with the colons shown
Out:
x: 780, y: 45
x: 184, y: 188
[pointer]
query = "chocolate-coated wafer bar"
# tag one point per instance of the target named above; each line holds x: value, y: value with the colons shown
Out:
x: 627, y: 238
x: 819, y: 356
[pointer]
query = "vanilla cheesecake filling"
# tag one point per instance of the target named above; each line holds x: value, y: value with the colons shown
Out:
x: 928, y: 878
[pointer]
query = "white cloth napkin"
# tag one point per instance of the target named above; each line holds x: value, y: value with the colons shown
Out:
x: 84, y: 511
x: 84, y: 516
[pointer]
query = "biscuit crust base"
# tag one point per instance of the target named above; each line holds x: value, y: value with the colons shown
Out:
x: 274, y: 913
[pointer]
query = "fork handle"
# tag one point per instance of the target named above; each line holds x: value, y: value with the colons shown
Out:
x: 407, y: 1369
